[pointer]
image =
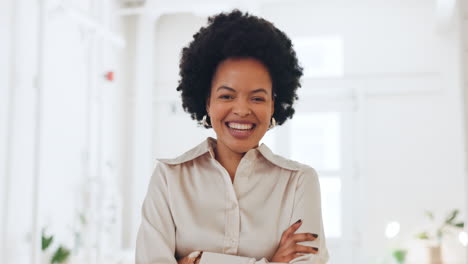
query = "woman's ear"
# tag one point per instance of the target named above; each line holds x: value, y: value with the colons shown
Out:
x: 207, y: 107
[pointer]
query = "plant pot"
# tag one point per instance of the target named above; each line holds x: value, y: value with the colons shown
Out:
x: 435, y: 255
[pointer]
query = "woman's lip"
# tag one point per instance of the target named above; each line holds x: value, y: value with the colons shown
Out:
x: 241, y: 122
x: 239, y: 133
x: 244, y: 123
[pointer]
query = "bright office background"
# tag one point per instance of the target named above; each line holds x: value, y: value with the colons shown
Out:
x: 88, y: 102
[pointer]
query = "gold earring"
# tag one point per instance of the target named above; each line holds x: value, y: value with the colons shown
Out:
x: 272, y: 123
x: 204, y: 122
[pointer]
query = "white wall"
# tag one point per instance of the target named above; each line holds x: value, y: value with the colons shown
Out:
x: 73, y: 109
x: 81, y: 139
x: 137, y: 158
x: 126, y: 65
x: 463, y: 15
x: 19, y: 105
x: 6, y: 11
x: 172, y: 33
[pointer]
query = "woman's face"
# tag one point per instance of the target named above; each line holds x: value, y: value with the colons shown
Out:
x: 240, y: 104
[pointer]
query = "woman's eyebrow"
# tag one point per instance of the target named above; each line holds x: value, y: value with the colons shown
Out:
x: 259, y: 90
x: 225, y: 87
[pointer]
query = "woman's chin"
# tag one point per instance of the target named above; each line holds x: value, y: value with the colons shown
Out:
x: 241, y: 145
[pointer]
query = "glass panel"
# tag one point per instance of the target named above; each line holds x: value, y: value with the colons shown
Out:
x: 330, y: 188
x: 321, y: 56
x: 315, y: 140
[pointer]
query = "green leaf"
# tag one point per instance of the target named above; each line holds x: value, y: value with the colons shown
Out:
x: 60, y: 255
x: 451, y: 216
x: 422, y: 235
x: 460, y: 225
x: 46, y: 241
x: 399, y: 255
x: 429, y: 214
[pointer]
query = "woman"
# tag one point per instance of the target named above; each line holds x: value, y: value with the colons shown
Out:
x: 229, y: 200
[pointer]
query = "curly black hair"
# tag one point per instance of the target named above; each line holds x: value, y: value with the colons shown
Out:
x: 232, y: 35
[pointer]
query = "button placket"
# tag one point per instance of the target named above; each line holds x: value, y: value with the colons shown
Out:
x: 242, y: 176
x: 232, y: 222
x: 232, y: 231
x: 232, y: 209
x: 239, y: 186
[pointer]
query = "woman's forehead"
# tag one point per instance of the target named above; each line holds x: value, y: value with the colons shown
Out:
x: 241, y: 74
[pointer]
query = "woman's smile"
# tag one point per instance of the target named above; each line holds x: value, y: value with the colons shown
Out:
x: 241, y: 104
x: 240, y: 129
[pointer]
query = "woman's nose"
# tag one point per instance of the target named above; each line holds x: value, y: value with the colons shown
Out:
x: 242, y: 109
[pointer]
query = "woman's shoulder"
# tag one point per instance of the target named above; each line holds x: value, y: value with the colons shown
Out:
x: 173, y: 166
x: 284, y: 162
x: 193, y: 153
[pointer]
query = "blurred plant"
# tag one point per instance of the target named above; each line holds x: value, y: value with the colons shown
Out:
x: 61, y: 255
x: 78, y: 230
x: 46, y: 240
x: 449, y: 224
x: 399, y: 255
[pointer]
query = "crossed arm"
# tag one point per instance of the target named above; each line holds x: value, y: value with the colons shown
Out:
x: 287, y: 250
x: 156, y: 239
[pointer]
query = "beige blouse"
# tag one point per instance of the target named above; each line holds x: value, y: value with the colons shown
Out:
x: 192, y: 205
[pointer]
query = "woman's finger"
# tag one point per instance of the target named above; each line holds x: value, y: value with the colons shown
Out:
x: 300, y: 249
x: 301, y: 237
x: 306, y: 249
x: 293, y: 228
x: 292, y: 241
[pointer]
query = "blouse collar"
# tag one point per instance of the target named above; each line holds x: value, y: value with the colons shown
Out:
x: 208, y: 145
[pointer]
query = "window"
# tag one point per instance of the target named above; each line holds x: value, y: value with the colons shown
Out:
x: 320, y: 135
x: 322, y: 140
x: 320, y: 56
x: 315, y: 139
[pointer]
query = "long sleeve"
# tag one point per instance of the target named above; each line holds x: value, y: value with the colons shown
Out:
x: 307, y: 206
x: 216, y: 258
x: 156, y: 236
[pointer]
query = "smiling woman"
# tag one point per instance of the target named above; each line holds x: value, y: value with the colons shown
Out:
x: 231, y: 200
x: 240, y: 111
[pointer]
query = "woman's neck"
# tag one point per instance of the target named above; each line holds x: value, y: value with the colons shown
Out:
x: 229, y: 159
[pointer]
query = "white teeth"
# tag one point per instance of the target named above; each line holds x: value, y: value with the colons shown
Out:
x: 240, y: 126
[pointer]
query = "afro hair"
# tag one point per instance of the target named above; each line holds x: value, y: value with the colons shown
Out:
x: 237, y: 35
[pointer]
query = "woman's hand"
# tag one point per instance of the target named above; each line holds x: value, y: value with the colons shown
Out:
x: 192, y: 258
x: 288, y: 248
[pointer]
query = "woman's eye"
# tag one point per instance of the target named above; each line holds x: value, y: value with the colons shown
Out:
x: 225, y: 97
x: 258, y: 99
